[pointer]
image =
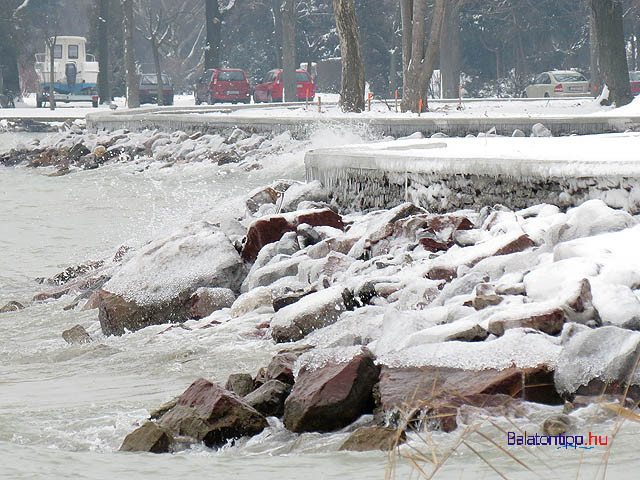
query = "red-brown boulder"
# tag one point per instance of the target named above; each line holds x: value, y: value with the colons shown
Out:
x: 270, y: 229
x: 441, y: 390
x: 211, y: 414
x: 332, y: 396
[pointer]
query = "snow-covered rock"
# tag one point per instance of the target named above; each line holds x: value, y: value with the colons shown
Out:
x: 603, y: 360
x: 154, y: 285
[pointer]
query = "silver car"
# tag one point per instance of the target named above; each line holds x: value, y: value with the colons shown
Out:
x: 558, y: 83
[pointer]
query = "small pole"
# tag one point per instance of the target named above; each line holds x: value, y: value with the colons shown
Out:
x: 459, y: 97
x: 419, y: 107
x: 369, y: 101
x: 319, y: 104
x: 396, y: 95
x: 306, y: 100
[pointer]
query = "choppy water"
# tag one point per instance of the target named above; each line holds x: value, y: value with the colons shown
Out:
x: 64, y: 410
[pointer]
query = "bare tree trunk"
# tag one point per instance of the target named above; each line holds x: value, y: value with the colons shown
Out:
x: 155, y: 49
x: 393, y: 53
x: 352, y: 84
x: 9, y: 52
x: 593, y: 53
x: 51, y: 45
x: 104, y: 84
x: 277, y: 31
x: 612, y: 56
x: 289, y: 51
x: 214, y: 25
x: 421, y: 64
x: 133, y: 96
x: 406, y: 13
x: 450, y: 53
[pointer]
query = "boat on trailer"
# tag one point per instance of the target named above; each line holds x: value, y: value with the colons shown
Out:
x: 75, y: 72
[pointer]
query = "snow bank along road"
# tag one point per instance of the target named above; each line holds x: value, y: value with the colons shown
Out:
x: 562, y: 117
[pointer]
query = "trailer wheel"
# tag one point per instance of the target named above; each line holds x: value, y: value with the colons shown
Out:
x: 94, y: 103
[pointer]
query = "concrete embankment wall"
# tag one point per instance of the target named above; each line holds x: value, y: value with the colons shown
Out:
x: 365, y: 179
x: 300, y: 125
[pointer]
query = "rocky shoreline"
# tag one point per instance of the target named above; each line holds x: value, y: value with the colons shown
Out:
x: 73, y: 148
x: 400, y: 313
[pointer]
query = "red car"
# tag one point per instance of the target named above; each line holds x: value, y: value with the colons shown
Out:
x: 270, y: 90
x: 223, y: 85
x: 634, y: 80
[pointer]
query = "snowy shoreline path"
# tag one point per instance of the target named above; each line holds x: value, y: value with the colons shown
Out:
x: 562, y: 117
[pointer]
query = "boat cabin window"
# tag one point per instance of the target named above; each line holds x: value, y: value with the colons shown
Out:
x: 57, y: 51
x: 73, y: 51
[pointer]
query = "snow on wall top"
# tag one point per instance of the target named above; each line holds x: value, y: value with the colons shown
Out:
x: 574, y: 156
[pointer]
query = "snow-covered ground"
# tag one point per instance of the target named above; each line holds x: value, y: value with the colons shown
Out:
x: 500, y: 108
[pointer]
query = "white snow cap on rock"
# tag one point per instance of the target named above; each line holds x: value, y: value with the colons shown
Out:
x: 199, y: 255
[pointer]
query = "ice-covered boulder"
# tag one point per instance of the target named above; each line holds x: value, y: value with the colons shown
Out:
x: 257, y: 298
x: 592, y: 218
x: 442, y: 390
x: 311, y: 312
x: 207, y: 300
x: 331, y: 395
x: 279, y: 267
x: 271, y: 229
x: 299, y: 192
x: 602, y: 360
x: 155, y: 284
x: 260, y: 196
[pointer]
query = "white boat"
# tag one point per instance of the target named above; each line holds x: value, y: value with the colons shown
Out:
x: 75, y: 72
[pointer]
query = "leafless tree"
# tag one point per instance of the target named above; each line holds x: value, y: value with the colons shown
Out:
x: 133, y: 96
x: 104, y: 84
x: 214, y: 17
x: 417, y: 62
x: 611, y: 57
x: 288, y: 15
x: 155, y: 26
x: 51, y: 47
x: 352, y: 84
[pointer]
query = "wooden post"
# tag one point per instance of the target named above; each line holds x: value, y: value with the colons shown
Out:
x: 419, y: 107
x: 319, y: 104
x: 396, y: 95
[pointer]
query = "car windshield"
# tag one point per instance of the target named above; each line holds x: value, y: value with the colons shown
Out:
x: 569, y: 77
x: 302, y: 77
x: 153, y: 79
x: 634, y: 76
x: 231, y: 77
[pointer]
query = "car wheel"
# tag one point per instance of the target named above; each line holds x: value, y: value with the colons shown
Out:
x: 546, y: 95
x: 524, y: 94
x: 94, y: 103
